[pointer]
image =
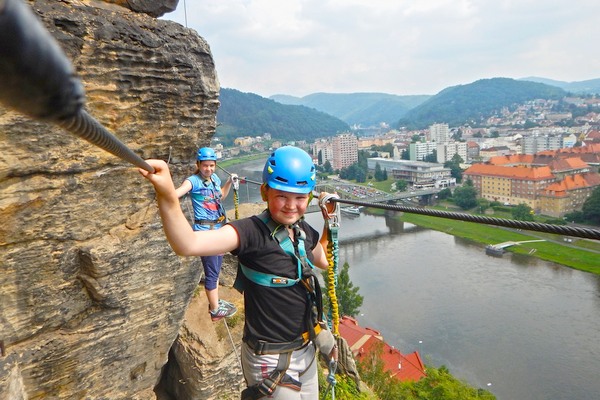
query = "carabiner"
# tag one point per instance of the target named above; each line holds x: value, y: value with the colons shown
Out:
x: 332, y: 217
x: 236, y: 181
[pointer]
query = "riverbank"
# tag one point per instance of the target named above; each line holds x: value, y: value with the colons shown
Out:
x: 553, y: 249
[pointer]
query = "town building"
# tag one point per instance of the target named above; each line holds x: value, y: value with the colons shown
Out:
x: 345, y: 150
x: 552, y: 183
x: 322, y: 149
x: 363, y: 341
x: 446, y: 151
x: 414, y: 172
x: 439, y: 133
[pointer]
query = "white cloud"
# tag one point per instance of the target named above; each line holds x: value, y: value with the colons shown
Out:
x: 300, y: 47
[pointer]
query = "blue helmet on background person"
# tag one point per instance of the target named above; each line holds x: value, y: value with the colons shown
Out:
x: 290, y: 169
x: 206, y: 154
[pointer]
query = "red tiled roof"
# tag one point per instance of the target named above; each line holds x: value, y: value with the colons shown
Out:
x: 511, y: 159
x: 567, y: 164
x: 572, y: 182
x: 364, y: 340
x: 527, y: 173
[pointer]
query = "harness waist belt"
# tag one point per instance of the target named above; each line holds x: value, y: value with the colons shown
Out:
x: 261, y: 347
x: 208, y: 221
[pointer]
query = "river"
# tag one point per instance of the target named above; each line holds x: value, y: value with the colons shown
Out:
x: 524, y: 328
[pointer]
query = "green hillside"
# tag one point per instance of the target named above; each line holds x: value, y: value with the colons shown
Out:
x: 590, y: 86
x: 248, y: 114
x: 364, y: 109
x: 473, y: 103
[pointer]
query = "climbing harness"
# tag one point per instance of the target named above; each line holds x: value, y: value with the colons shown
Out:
x: 307, y: 278
x: 278, y: 377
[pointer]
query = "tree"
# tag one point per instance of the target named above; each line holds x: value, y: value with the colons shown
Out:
x: 465, y: 197
x: 415, y: 138
x: 444, y: 194
x: 482, y: 205
x: 522, y: 212
x: 401, y: 185
x: 320, y: 157
x: 327, y: 167
x: 349, y: 301
x: 591, y: 207
x: 405, y: 154
x: 432, y: 158
x: 378, y: 173
x: 454, y: 165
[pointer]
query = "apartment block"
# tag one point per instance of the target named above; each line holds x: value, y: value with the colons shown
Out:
x: 439, y: 133
x: 345, y: 150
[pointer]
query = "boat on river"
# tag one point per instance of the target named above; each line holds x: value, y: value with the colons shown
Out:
x: 351, y: 210
x: 494, y: 250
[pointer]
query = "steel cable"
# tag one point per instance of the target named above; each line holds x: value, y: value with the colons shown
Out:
x: 510, y: 223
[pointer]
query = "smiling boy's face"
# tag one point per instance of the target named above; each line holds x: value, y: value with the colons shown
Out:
x: 286, y: 207
x: 207, y: 168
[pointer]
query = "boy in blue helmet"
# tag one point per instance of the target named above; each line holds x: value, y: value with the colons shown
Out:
x: 281, y: 293
x: 204, y: 188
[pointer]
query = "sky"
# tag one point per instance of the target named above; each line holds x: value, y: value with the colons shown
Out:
x: 401, y: 47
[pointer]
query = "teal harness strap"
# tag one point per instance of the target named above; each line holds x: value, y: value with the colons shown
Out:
x: 279, y: 233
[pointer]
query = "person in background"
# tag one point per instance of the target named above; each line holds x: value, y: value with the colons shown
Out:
x: 204, y: 189
x: 283, y: 324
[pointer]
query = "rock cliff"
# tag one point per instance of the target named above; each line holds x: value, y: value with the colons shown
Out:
x: 92, y: 296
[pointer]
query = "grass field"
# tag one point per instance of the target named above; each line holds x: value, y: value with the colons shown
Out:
x: 554, y: 251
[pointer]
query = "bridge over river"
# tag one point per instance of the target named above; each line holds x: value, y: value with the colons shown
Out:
x: 352, y: 191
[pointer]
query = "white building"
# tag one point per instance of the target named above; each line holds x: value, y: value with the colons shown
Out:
x: 439, y: 133
x: 446, y: 151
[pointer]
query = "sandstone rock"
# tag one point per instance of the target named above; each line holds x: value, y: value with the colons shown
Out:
x: 155, y: 8
x: 92, y: 295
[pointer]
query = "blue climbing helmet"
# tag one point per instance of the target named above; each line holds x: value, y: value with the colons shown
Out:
x: 290, y: 169
x: 206, y: 154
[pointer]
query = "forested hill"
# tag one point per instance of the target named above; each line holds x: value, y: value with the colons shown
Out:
x: 474, y: 103
x: 590, y: 86
x: 365, y: 109
x: 248, y: 114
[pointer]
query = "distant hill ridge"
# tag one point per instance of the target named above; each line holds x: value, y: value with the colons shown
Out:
x: 325, y: 114
x: 364, y: 109
x: 248, y: 114
x: 590, y: 86
x: 473, y: 103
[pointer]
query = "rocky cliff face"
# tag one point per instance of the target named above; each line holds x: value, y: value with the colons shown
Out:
x: 92, y: 297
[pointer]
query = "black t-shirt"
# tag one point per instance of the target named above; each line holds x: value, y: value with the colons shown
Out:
x: 273, y: 314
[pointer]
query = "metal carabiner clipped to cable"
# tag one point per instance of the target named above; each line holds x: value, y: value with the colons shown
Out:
x: 332, y: 217
x: 236, y: 181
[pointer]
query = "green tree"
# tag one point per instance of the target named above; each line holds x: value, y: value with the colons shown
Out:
x: 405, y: 154
x: 378, y: 173
x: 482, y: 204
x: 591, y: 207
x: 349, y: 301
x: 327, y: 167
x: 465, y: 197
x: 444, y: 194
x: 522, y: 212
x: 415, y: 138
x: 401, y: 185
x: 432, y: 158
x: 454, y: 165
x: 320, y: 157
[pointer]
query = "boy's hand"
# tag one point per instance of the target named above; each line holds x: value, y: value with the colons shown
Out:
x: 161, y: 178
x: 330, y: 205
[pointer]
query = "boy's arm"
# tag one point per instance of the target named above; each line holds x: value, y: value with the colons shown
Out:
x: 183, y: 240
